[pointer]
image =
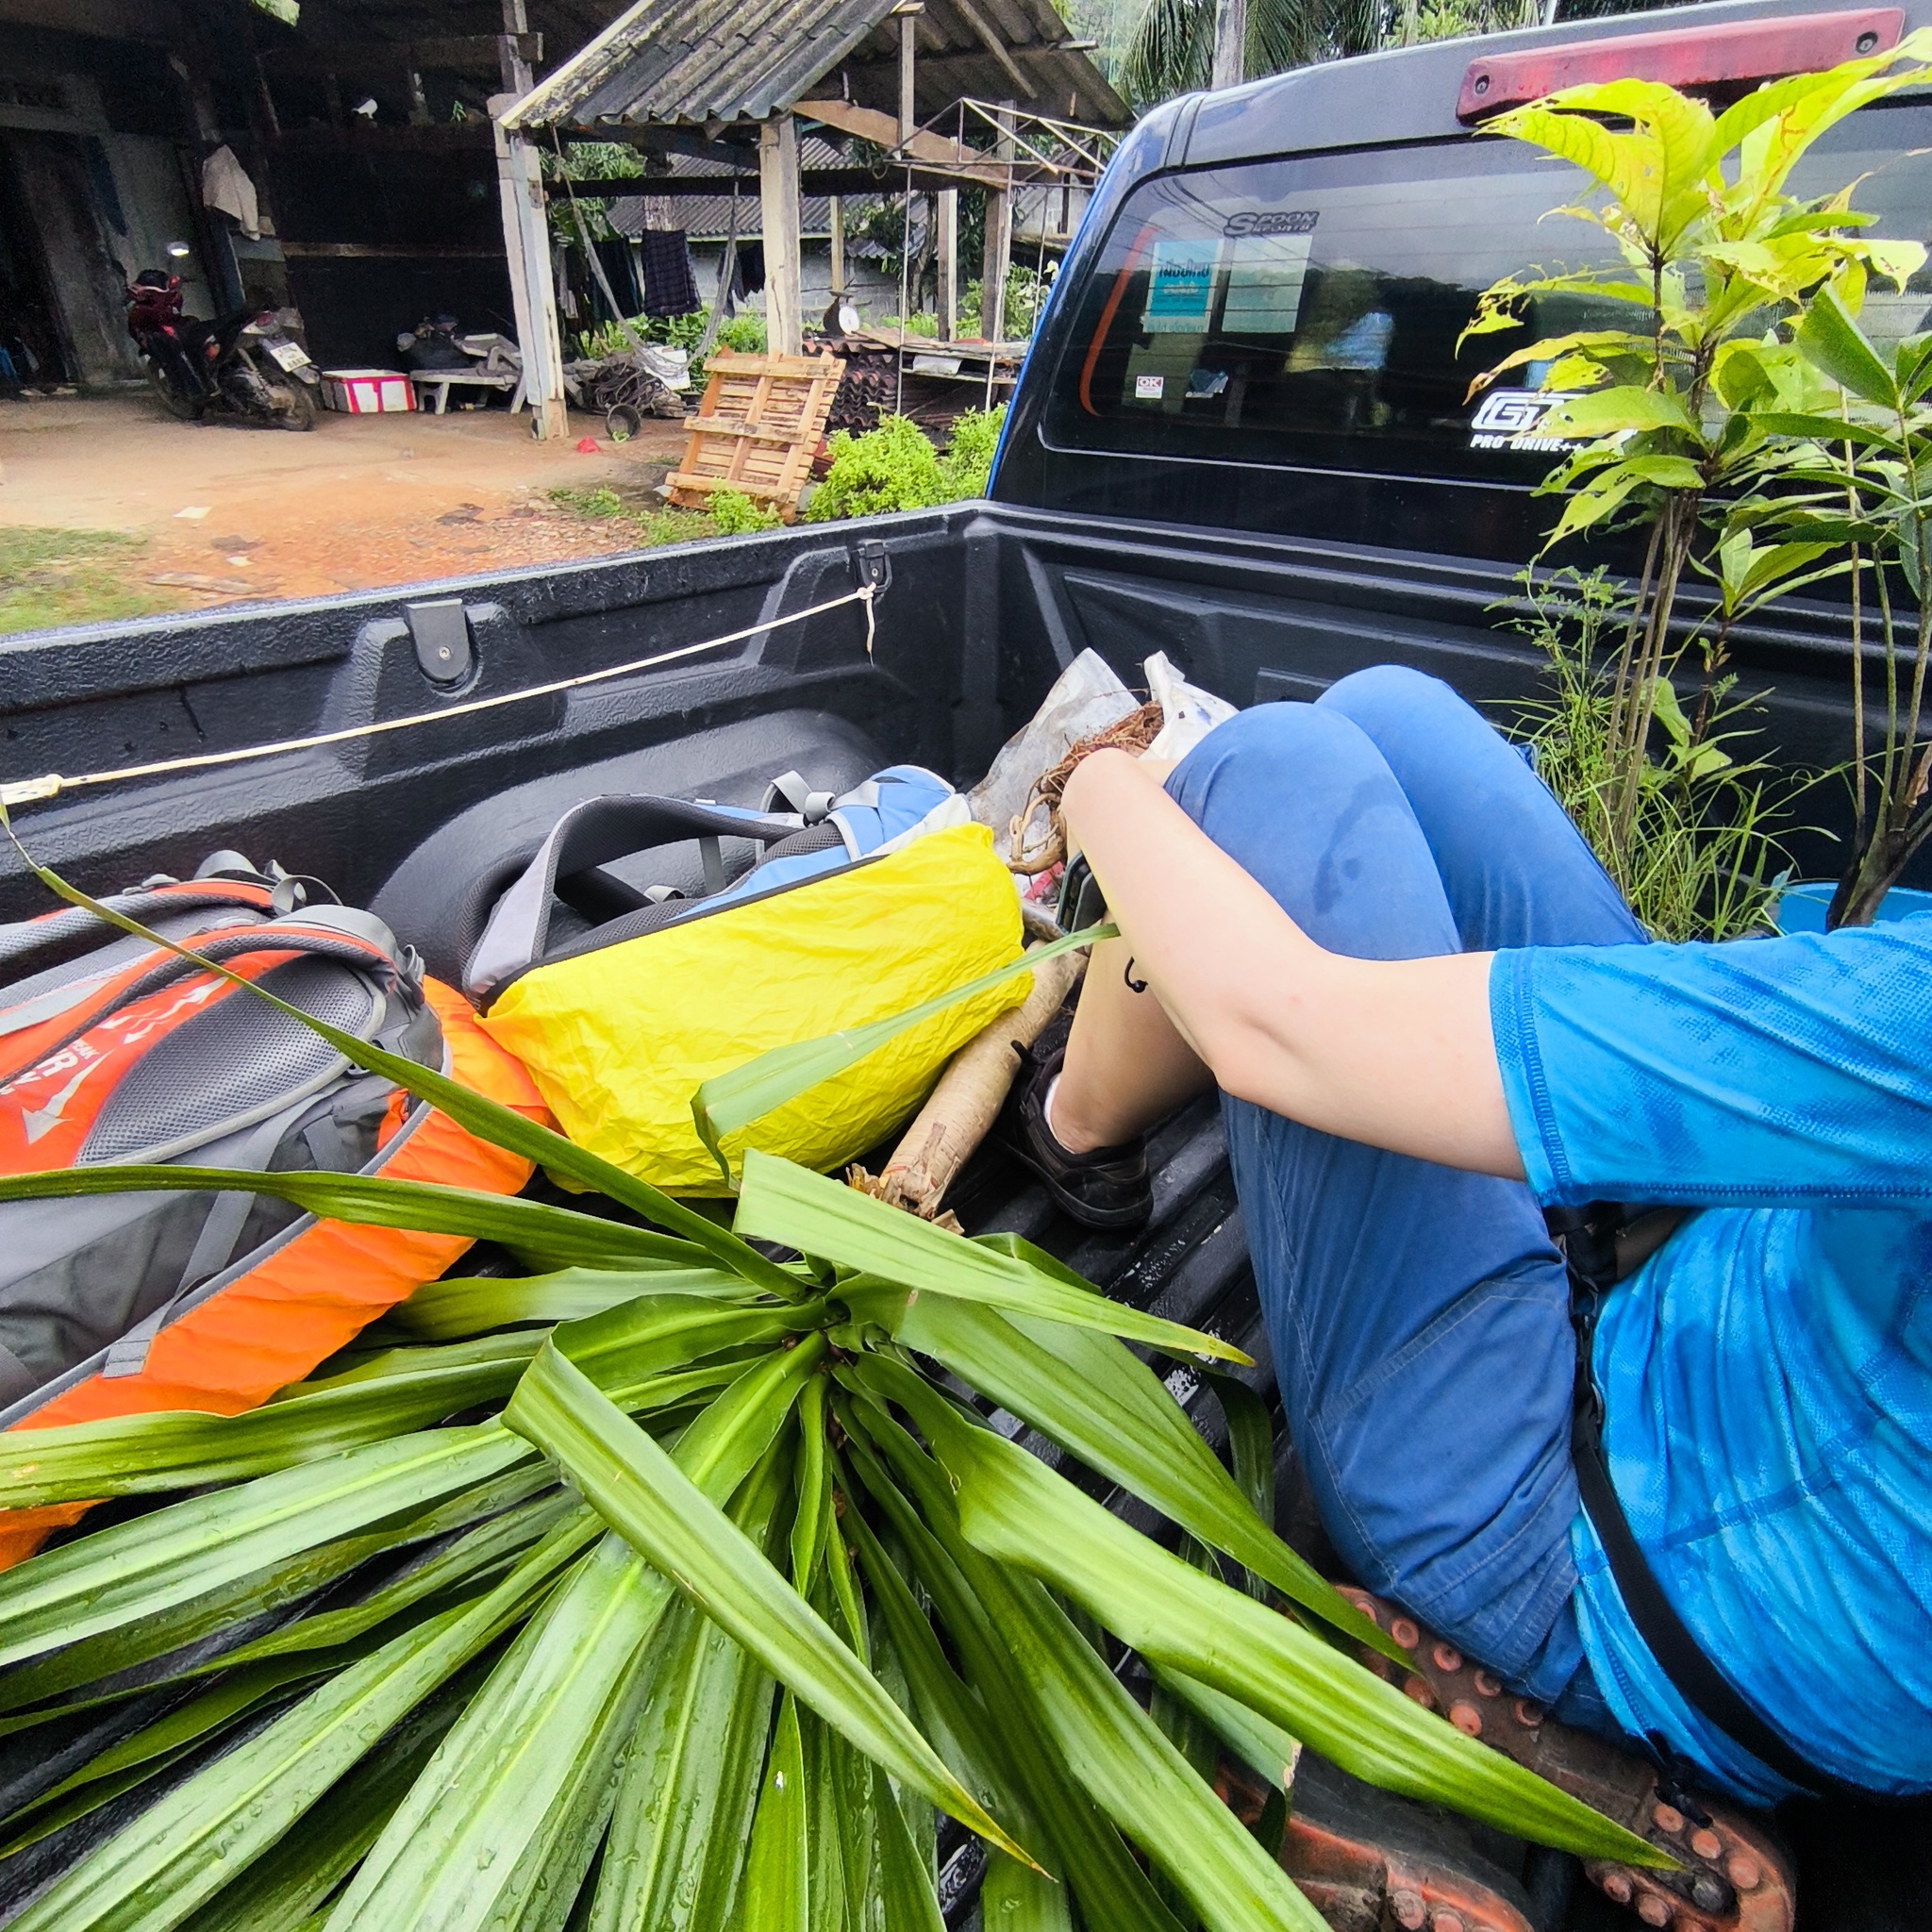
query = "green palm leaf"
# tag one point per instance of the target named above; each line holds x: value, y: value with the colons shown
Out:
x: 471, y: 1844
x: 150, y: 1564
x: 643, y: 1495
x: 154, y: 1873
x: 1084, y: 1391
x: 448, y: 1309
x: 527, y: 1228
x: 746, y: 1094
x: 1087, y: 1852
x: 780, y: 1201
x: 777, y: 1889
x: 1141, y: 1780
x: 125, y: 1456
x: 1016, y: 1509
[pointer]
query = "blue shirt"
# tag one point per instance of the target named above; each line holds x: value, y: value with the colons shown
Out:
x: 1767, y: 1375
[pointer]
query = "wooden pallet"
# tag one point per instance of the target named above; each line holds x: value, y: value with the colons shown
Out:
x: 758, y: 429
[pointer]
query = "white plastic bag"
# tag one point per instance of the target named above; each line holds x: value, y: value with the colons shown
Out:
x: 1188, y: 713
x: 1085, y: 697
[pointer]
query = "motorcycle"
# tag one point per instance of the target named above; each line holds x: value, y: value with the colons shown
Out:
x: 197, y: 367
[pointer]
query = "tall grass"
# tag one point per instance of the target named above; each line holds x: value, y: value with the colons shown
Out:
x: 1706, y: 857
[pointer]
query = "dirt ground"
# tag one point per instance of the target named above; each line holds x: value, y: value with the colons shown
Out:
x: 244, y: 512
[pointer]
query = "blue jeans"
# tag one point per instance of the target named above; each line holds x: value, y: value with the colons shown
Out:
x: 1418, y: 1316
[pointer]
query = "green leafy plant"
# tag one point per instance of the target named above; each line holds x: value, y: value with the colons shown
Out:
x: 893, y: 466
x: 1705, y: 858
x: 734, y: 514
x: 745, y: 333
x: 708, y: 1604
x: 1679, y: 409
x: 967, y: 466
x: 896, y: 467
x: 1026, y: 292
x: 1859, y: 475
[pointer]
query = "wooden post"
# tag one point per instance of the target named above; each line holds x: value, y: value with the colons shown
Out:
x: 909, y: 40
x: 513, y: 68
x: 778, y: 196
x: 533, y: 294
x: 838, y: 248
x: 998, y: 253
x: 948, y: 244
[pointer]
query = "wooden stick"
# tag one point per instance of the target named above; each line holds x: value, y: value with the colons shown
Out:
x: 964, y: 1105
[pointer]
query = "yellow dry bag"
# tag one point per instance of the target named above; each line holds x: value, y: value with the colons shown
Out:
x: 621, y: 1022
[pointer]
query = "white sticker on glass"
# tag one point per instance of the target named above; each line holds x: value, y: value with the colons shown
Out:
x: 1149, y: 388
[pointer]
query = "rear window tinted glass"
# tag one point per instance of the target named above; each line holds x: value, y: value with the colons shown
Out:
x: 1307, y: 311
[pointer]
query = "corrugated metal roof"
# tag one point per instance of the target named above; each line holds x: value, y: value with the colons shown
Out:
x: 669, y: 62
x: 697, y: 61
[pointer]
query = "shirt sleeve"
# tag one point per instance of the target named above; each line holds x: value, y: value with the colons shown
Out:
x: 1774, y: 1073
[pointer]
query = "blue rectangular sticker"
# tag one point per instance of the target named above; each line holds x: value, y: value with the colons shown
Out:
x: 1180, y: 287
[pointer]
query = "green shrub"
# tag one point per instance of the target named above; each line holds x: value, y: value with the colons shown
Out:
x: 896, y: 467
x: 736, y: 515
x: 892, y: 467
x: 967, y: 465
x: 745, y: 333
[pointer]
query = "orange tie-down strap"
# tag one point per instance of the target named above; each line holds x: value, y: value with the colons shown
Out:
x: 312, y: 1293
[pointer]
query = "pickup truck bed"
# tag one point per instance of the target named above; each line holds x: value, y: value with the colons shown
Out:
x: 1261, y: 573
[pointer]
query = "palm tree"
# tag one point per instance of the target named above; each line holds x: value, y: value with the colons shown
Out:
x: 1183, y: 44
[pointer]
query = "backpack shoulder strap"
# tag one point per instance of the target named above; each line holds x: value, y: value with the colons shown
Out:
x: 588, y: 836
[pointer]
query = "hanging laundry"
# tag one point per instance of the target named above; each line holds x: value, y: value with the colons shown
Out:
x: 226, y: 186
x: 669, y: 287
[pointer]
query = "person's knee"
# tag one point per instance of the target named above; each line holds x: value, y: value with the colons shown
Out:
x: 1388, y: 695
x: 1257, y: 759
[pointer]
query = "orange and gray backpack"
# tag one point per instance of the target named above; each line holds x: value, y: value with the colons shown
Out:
x: 113, y: 1050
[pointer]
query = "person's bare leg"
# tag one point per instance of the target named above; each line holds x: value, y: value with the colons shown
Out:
x: 1125, y: 1066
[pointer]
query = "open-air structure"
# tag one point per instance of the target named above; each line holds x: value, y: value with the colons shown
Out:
x: 926, y: 96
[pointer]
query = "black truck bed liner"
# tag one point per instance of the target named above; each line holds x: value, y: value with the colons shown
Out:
x: 981, y: 605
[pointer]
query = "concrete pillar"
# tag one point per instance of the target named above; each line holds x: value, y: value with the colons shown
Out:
x: 948, y: 246
x: 778, y: 198
x: 909, y: 12
x: 837, y: 247
x: 533, y: 294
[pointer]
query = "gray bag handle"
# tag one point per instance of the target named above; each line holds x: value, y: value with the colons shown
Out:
x: 588, y: 836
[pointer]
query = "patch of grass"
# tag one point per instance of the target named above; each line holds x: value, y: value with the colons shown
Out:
x: 654, y: 522
x: 51, y: 577
x: 601, y: 502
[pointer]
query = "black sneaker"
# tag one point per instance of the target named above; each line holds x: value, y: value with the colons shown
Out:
x: 1107, y: 1188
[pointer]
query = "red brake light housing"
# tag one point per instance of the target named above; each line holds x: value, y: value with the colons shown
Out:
x: 1693, y: 57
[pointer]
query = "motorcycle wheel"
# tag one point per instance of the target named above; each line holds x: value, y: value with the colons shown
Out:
x: 183, y: 408
x: 295, y: 408
x: 622, y: 421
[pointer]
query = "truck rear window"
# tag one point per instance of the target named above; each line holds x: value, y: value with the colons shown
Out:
x: 1306, y: 312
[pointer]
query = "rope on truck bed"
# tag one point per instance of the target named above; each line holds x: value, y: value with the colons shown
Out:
x: 31, y: 790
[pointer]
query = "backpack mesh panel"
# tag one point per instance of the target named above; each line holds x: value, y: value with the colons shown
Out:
x: 231, y: 1062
